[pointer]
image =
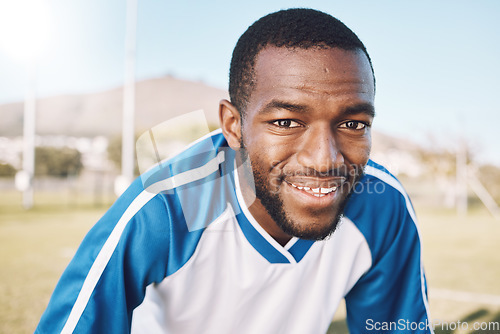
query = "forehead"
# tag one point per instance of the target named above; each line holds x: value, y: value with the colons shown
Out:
x: 319, y: 70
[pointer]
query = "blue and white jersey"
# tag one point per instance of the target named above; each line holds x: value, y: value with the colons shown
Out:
x: 179, y: 252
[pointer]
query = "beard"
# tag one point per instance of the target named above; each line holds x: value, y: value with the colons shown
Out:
x: 273, y: 203
x: 274, y: 206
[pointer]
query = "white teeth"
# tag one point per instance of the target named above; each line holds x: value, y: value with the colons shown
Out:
x: 328, y: 190
x: 318, y: 192
x: 324, y: 190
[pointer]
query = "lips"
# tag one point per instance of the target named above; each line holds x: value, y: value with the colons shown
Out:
x: 318, y: 192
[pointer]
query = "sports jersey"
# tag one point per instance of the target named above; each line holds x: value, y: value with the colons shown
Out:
x: 179, y: 252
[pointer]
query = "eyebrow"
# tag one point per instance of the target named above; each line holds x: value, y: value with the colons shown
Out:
x: 362, y: 108
x: 276, y: 104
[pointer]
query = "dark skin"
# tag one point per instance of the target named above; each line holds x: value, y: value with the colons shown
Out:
x: 306, y: 131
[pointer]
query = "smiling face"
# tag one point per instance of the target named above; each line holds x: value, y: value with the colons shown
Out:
x: 306, y: 131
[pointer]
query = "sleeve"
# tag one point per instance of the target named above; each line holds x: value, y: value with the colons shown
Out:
x: 391, y: 296
x: 107, y: 278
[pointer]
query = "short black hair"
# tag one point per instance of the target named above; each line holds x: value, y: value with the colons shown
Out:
x: 291, y: 28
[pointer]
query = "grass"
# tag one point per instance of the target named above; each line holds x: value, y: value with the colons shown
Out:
x: 460, y: 254
x: 35, y: 247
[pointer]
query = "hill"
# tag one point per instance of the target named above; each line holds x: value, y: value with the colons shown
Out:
x: 89, y: 115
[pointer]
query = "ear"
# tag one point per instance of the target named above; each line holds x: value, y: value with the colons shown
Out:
x: 230, y: 122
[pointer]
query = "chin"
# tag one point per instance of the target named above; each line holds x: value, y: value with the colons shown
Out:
x: 311, y: 229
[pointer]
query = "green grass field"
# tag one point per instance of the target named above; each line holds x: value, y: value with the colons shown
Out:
x: 460, y: 254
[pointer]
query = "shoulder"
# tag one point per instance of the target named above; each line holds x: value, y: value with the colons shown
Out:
x: 164, y: 211
x: 381, y: 209
x: 172, y: 204
x: 378, y: 194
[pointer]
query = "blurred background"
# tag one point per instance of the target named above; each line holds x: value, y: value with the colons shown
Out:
x: 82, y: 80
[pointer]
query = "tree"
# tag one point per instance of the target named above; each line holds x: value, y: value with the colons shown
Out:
x: 7, y: 170
x: 59, y: 162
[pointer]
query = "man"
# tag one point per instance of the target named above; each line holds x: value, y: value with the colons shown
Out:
x: 265, y: 225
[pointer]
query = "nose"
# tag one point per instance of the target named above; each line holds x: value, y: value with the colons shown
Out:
x: 320, y: 151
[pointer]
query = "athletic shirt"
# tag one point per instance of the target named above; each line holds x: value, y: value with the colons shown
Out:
x: 179, y: 252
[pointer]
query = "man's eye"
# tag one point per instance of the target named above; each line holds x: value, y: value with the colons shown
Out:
x: 354, y: 125
x: 286, y: 123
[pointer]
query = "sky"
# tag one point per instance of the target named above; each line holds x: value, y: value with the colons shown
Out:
x: 436, y: 62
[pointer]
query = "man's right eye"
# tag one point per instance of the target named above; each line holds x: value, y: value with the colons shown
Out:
x: 286, y: 123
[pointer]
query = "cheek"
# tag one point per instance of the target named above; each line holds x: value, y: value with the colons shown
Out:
x: 267, y: 162
x: 357, y: 152
x: 268, y: 151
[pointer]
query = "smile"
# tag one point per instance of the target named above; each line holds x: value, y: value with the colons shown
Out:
x: 318, y: 192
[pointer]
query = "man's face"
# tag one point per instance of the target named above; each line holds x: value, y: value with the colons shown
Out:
x: 306, y: 131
